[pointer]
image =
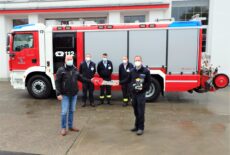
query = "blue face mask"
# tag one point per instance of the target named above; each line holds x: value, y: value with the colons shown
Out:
x: 69, y: 63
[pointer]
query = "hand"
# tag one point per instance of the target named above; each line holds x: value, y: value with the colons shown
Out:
x: 59, y: 97
x: 97, y: 81
x: 116, y: 83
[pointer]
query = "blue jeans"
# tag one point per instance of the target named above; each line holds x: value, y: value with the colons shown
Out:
x: 68, y: 106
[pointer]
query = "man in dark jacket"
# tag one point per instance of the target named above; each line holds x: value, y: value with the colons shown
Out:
x: 139, y: 79
x: 88, y: 69
x: 124, y: 71
x: 66, y: 90
x: 105, y: 69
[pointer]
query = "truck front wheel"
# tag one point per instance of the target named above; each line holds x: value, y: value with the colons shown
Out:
x: 154, y: 90
x: 39, y: 87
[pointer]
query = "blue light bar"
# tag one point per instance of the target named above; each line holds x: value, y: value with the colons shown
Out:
x: 186, y: 24
x: 22, y: 26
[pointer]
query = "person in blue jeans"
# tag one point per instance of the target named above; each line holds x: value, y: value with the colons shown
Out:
x: 66, y: 82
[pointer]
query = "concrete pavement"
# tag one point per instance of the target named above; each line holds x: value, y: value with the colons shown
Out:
x: 178, y: 124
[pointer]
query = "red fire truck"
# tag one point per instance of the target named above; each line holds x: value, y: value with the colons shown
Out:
x: 171, y: 50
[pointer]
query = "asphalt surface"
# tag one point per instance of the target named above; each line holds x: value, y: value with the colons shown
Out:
x: 177, y: 124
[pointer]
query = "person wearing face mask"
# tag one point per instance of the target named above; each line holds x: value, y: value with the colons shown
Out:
x: 139, y: 79
x: 124, y: 70
x: 88, y: 69
x: 66, y: 82
x: 105, y: 70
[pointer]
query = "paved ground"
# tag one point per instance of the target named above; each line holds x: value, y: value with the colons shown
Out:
x: 178, y: 124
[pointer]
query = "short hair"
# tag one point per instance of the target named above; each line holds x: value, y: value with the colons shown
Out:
x: 138, y: 56
x: 105, y: 54
x: 88, y: 54
x: 67, y: 55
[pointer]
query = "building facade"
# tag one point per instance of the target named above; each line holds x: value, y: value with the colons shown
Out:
x: 53, y: 12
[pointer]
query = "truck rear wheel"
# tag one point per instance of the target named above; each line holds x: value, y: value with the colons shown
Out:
x: 39, y: 87
x: 154, y: 90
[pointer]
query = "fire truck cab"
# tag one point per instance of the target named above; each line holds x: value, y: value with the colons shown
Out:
x: 171, y: 50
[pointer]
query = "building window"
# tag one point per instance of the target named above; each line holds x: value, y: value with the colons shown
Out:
x: 81, y: 21
x: 134, y: 19
x: 98, y: 20
x: 204, y: 38
x: 17, y: 22
x: 186, y: 13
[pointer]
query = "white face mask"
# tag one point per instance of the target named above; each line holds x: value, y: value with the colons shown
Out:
x: 69, y: 63
x: 104, y: 59
x: 137, y: 63
x: 87, y: 59
x: 125, y: 61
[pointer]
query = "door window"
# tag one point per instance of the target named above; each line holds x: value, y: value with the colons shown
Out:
x: 22, y: 41
x: 64, y: 40
x: 63, y: 44
x: 8, y: 43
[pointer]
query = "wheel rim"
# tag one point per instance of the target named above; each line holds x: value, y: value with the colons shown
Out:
x: 38, y: 86
x: 151, y: 91
x: 221, y: 81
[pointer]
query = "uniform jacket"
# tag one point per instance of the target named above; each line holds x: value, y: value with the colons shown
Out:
x: 105, y: 72
x: 142, y: 75
x: 124, y: 71
x: 87, y: 71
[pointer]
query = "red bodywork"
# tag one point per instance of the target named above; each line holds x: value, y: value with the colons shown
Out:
x: 27, y: 57
x: 172, y: 82
x: 181, y: 82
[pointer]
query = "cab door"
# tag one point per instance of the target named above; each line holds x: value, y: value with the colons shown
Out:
x: 24, y: 52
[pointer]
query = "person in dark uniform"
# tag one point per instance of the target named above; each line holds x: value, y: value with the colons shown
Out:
x: 105, y: 69
x: 139, y: 79
x: 88, y: 69
x: 124, y: 70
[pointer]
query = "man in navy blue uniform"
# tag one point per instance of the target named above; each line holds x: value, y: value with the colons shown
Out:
x: 124, y: 70
x: 105, y: 70
x: 139, y: 79
x: 88, y: 69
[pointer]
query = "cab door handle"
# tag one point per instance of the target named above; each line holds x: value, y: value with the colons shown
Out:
x: 34, y: 61
x: 12, y: 55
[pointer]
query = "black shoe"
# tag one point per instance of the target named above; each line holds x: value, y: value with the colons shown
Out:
x: 134, y: 130
x: 102, y: 102
x: 84, y: 104
x: 92, y: 104
x: 109, y: 103
x: 125, y: 104
x: 140, y: 132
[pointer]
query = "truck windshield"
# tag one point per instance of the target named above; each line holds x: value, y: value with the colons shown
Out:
x: 22, y: 41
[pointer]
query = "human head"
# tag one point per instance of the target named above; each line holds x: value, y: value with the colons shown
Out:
x: 124, y: 59
x: 138, y: 61
x: 69, y: 60
x: 88, y: 57
x: 104, y: 56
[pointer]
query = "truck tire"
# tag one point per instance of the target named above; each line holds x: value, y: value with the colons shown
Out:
x: 39, y: 87
x: 154, y: 90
